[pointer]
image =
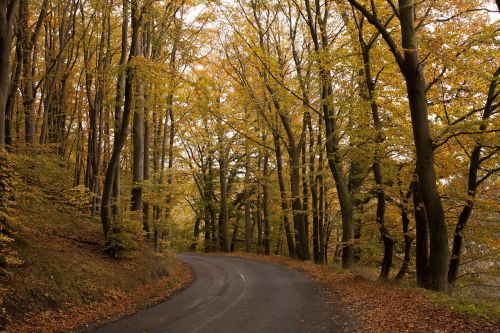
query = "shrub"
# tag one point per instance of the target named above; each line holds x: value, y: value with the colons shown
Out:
x: 8, y: 179
x: 78, y: 197
x: 125, y: 236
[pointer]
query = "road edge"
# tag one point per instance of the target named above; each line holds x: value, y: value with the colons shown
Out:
x: 87, y: 317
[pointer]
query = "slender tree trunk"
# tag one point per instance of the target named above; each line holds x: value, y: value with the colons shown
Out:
x: 305, y: 195
x: 138, y: 145
x: 8, y: 9
x: 246, y: 199
x: 314, y: 193
x: 196, y: 232
x: 120, y: 82
x: 321, y: 198
x: 14, y: 85
x: 52, y: 79
x: 265, y: 201
x: 236, y: 228
x: 370, y: 97
x: 334, y: 157
x: 207, y: 230
x: 28, y: 39
x: 210, y: 196
x: 122, y: 135
x: 226, y: 246
x: 283, y: 196
x: 147, y: 132
x: 405, y: 220
x: 472, y: 184
x: 147, y: 137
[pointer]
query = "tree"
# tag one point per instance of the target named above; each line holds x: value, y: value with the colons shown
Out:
x: 7, y: 17
x: 410, y: 65
x: 122, y: 134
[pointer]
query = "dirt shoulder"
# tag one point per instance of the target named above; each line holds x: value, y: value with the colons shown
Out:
x: 86, y: 316
x: 383, y: 307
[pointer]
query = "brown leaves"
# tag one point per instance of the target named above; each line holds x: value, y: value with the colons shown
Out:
x: 383, y: 307
x: 116, y: 304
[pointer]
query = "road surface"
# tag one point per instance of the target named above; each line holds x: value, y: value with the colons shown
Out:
x: 236, y: 295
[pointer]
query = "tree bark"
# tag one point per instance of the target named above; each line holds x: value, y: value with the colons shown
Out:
x: 370, y: 97
x: 422, y: 243
x: 265, y: 201
x: 28, y: 39
x: 411, y: 67
x: 226, y: 246
x: 334, y: 156
x: 246, y: 198
x: 122, y: 135
x: 416, y: 87
x: 7, y: 16
x: 11, y: 100
x: 283, y: 196
x: 120, y: 82
x: 472, y: 184
x: 138, y: 147
x: 405, y: 220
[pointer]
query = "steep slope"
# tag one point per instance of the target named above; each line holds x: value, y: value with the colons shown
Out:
x: 60, y: 263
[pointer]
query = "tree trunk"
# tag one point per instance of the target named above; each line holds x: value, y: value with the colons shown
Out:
x: 422, y: 243
x: 246, y: 199
x: 236, y: 228
x: 314, y: 193
x: 472, y: 183
x: 122, y: 135
x: 120, y: 82
x: 7, y: 16
x: 138, y: 145
x: 305, y: 195
x: 321, y: 197
x: 334, y: 157
x: 416, y: 87
x: 283, y: 196
x: 265, y: 202
x: 226, y: 246
x: 368, y: 94
x: 11, y: 100
x: 406, y: 231
x: 147, y: 132
x: 196, y: 232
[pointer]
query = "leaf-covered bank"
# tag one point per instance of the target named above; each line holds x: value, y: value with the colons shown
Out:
x: 61, y: 278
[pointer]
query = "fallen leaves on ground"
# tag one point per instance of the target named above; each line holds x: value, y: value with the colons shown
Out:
x: 383, y: 307
x: 116, y: 304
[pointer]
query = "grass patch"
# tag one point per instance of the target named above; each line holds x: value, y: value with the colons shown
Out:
x: 479, y: 308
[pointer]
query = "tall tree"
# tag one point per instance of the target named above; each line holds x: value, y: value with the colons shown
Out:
x: 130, y: 76
x: 8, y: 9
x: 410, y: 65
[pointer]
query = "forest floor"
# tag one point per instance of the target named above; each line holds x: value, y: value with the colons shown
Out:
x: 65, y: 280
x: 384, y: 307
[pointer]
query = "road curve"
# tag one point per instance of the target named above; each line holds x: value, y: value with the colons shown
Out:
x: 236, y: 295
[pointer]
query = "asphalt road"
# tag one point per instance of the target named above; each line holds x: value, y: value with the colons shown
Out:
x: 235, y: 295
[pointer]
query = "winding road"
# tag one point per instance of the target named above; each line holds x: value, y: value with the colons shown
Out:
x: 236, y: 295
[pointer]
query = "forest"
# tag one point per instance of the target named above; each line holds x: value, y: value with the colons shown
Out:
x: 354, y: 134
